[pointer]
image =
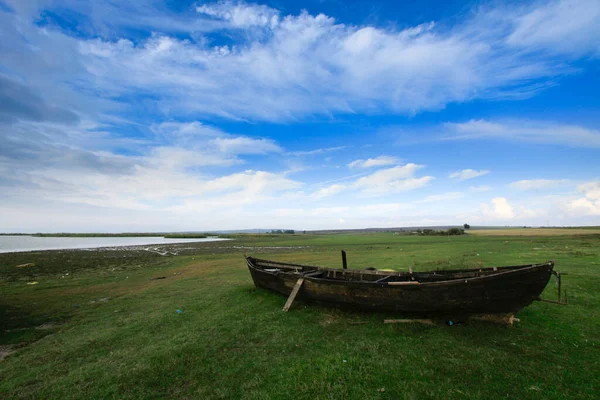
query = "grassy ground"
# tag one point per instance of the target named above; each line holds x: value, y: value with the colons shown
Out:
x: 536, y: 231
x: 97, y: 325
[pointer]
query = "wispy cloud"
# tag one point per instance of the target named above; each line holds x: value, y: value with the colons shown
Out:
x: 299, y: 65
x: 328, y: 191
x: 344, y: 178
x: 537, y: 184
x: 19, y: 102
x: 133, y: 108
x: 466, y: 174
x: 246, y: 145
x: 195, y: 136
x: 323, y: 150
x: 113, y: 19
x: 525, y: 130
x: 564, y: 26
x: 374, y: 162
x: 241, y: 15
x: 192, y: 130
x: 390, y: 180
x: 170, y: 171
x: 383, y: 181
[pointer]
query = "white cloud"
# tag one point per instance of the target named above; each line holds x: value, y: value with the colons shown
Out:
x: 329, y: 191
x: 344, y: 178
x: 185, y: 130
x: 525, y: 130
x: 161, y: 189
x: 241, y: 15
x: 468, y: 174
x: 374, y: 162
x: 499, y: 210
x: 566, y: 26
x: 381, y: 182
x: 296, y: 65
x: 387, y: 175
x: 536, y: 184
x: 270, y: 67
x: 180, y: 158
x: 79, y: 166
x: 255, y: 182
x: 189, y: 141
x: 246, y: 145
x: 317, y: 151
x: 390, y: 180
x: 590, y: 203
x: 108, y: 18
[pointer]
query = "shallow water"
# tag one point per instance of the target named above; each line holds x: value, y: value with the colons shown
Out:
x: 9, y: 244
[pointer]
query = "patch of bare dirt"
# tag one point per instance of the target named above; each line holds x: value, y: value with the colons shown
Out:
x: 46, y: 326
x: 5, y: 350
x: 328, y: 319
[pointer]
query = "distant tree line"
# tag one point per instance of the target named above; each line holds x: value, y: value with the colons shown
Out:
x: 280, y: 231
x: 433, y: 232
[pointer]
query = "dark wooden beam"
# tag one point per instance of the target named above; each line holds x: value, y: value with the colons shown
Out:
x: 295, y: 291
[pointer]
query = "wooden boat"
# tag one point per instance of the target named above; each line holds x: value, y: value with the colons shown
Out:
x: 448, y: 292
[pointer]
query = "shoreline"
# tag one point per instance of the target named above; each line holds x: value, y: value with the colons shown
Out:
x: 103, y: 245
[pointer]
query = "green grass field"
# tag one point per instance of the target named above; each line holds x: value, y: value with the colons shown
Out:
x: 110, y: 331
x: 536, y: 231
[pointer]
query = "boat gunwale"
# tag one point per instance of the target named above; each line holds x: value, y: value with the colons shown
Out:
x: 496, y: 274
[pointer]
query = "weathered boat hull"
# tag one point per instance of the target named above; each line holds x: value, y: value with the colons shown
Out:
x: 462, y: 292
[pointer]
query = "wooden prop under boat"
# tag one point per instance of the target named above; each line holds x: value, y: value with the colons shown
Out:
x: 447, y: 292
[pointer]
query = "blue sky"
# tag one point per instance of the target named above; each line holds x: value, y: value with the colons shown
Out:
x: 178, y: 115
